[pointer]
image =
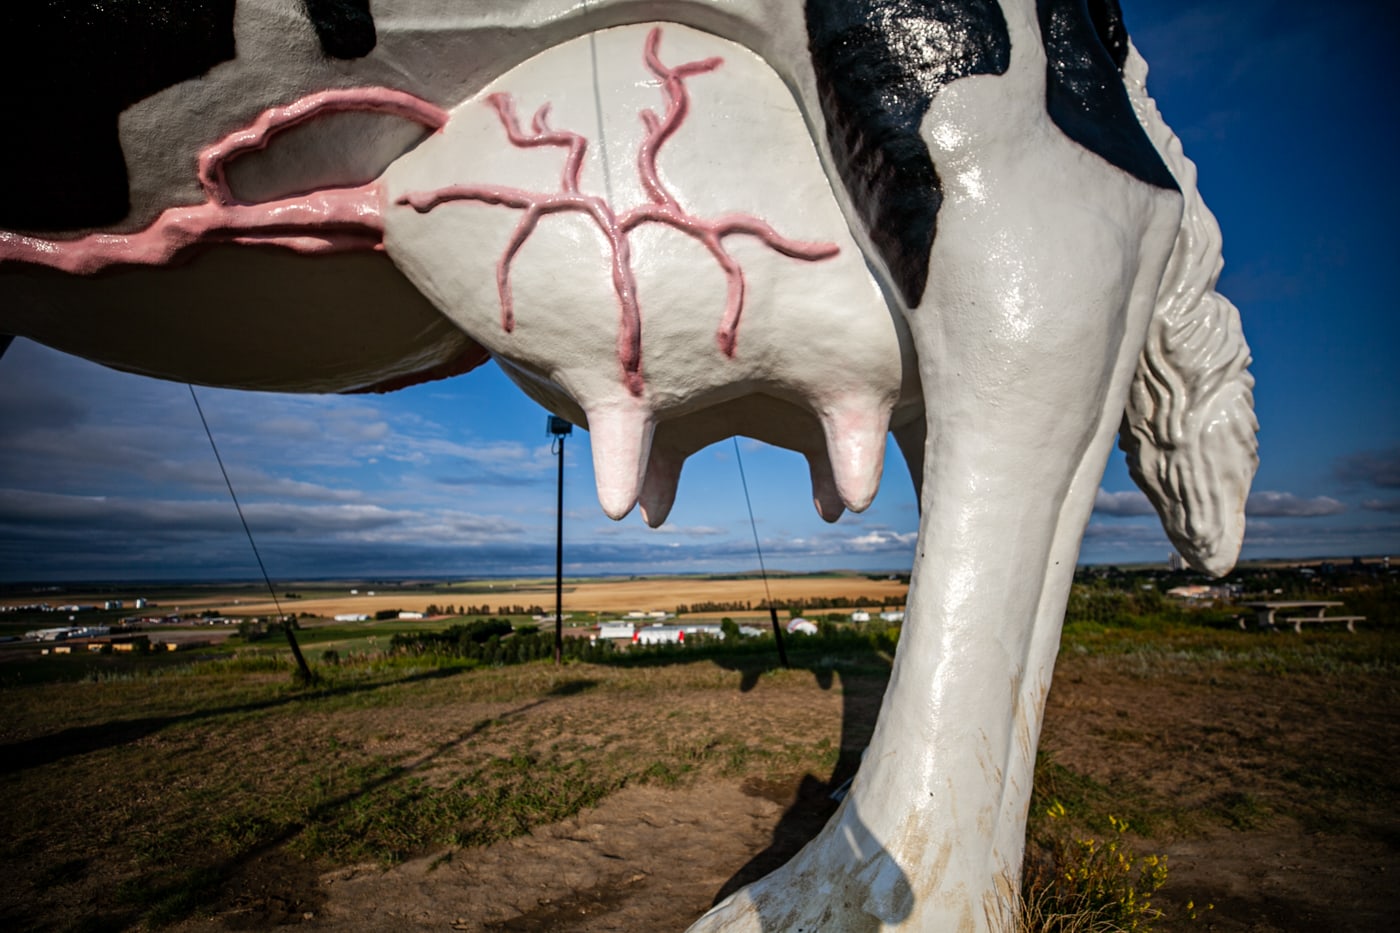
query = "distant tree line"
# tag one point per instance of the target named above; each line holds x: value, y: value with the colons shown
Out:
x: 738, y: 605
x: 495, y: 641
x: 449, y: 609
x: 251, y: 630
x: 808, y: 603
x: 433, y: 609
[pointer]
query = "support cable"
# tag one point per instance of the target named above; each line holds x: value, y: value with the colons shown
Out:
x: 302, y: 666
x: 763, y: 571
x: 598, y: 111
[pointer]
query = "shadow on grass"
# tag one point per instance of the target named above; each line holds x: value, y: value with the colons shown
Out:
x: 266, y: 887
x: 857, y: 665
x: 287, y: 887
x: 80, y: 740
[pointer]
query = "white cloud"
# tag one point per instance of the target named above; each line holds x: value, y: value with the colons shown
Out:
x: 883, y: 541
x: 1269, y: 504
x: 1120, y: 542
x: 1131, y: 502
x: 690, y: 531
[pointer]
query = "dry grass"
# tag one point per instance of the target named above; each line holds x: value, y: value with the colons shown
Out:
x: 175, y: 782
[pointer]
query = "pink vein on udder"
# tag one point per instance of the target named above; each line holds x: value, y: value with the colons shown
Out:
x: 325, y: 220
x: 661, y: 207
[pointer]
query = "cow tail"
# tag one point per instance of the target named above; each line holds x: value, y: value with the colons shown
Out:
x: 1189, y: 427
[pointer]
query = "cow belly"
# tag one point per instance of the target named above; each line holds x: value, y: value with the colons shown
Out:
x: 243, y: 318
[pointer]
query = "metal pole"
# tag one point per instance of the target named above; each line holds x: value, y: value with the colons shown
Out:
x: 289, y: 628
x: 777, y: 633
x: 559, y: 564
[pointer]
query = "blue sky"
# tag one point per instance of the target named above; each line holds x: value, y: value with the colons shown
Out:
x: 1285, y: 108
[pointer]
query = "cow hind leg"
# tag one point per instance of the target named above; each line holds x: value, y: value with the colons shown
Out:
x: 1027, y: 340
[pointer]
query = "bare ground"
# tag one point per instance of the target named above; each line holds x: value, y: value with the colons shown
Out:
x: 1274, y: 797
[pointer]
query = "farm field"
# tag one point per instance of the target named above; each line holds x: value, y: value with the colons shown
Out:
x: 611, y: 597
x: 591, y: 596
x: 432, y: 792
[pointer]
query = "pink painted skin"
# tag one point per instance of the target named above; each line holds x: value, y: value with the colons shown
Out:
x: 661, y: 207
x: 332, y: 220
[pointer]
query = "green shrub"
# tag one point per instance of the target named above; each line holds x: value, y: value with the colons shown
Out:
x: 1088, y: 884
x: 251, y: 631
x: 493, y: 641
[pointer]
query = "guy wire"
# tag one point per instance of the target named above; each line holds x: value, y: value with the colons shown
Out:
x: 752, y: 524
x: 598, y: 110
x: 271, y: 590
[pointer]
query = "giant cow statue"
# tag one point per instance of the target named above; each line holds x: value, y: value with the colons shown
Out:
x: 671, y: 221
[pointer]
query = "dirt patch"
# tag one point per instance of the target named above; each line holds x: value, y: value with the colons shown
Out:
x: 646, y: 859
x: 641, y: 861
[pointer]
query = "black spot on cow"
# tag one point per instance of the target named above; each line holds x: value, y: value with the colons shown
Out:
x: 72, y: 67
x: 345, y: 28
x: 1086, y: 45
x: 876, y: 84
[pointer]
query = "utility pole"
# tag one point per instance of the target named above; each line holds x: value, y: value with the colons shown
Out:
x: 559, y: 429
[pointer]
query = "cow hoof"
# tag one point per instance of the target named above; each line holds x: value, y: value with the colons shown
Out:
x: 843, y: 880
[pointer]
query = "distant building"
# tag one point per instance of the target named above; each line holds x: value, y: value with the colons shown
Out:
x: 410, y: 615
x: 67, y: 632
x: 47, y: 634
x: 1204, y: 591
x: 659, y: 635
x: 893, y: 615
x: 623, y: 630
x: 801, y: 626
x: 860, y: 615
